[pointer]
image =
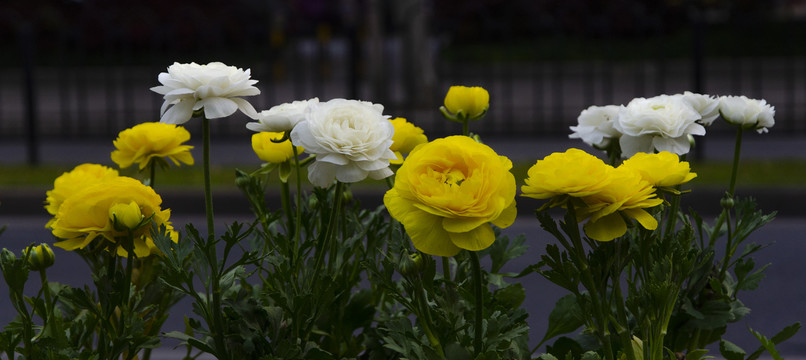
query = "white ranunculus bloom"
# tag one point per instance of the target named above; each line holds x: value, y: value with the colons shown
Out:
x: 281, y: 118
x: 747, y: 113
x: 706, y: 105
x: 215, y: 87
x: 596, y: 126
x: 350, y: 139
x: 661, y: 123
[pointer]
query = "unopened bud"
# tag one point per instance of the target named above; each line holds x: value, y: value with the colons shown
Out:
x: 40, y: 257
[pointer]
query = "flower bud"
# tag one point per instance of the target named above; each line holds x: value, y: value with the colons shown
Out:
x: 469, y: 103
x: 126, y: 216
x: 726, y: 201
x: 412, y: 264
x: 40, y: 257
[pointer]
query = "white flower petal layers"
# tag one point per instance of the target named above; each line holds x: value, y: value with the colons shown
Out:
x: 350, y: 139
x: 281, y: 118
x: 596, y: 126
x: 661, y: 123
x: 214, y: 87
x: 747, y: 113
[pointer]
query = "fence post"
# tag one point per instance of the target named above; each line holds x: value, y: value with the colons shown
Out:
x: 25, y: 34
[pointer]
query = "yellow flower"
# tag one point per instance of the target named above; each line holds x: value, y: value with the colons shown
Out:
x: 406, y: 138
x: 470, y: 102
x: 446, y: 193
x: 71, y: 182
x: 663, y: 169
x: 574, y: 172
x: 85, y: 216
x: 270, y: 151
x: 144, y: 142
x: 627, y: 194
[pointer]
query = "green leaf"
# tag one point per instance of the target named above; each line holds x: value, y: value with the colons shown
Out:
x: 767, y: 344
x: 730, y: 351
x: 510, y: 297
x: 786, y: 333
x: 564, y: 318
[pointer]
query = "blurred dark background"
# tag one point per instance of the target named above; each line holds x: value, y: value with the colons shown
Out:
x: 83, y: 68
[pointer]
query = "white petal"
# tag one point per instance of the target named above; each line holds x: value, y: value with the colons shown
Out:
x: 180, y: 113
x: 381, y: 174
x: 679, y: 145
x: 245, y: 107
x: 217, y: 107
x: 333, y: 158
x: 630, y: 145
x: 350, y: 173
x: 321, y: 174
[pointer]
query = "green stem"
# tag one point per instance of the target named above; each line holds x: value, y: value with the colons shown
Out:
x: 426, y: 320
x: 446, y: 269
x: 208, y: 196
x: 603, y: 331
x: 329, y: 231
x: 153, y: 172
x: 43, y: 277
x: 298, y: 197
x: 479, y: 306
x: 731, y: 187
x: 217, y: 327
x: 466, y: 127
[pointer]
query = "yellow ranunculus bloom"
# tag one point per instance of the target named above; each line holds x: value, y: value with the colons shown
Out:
x: 446, y: 193
x: 71, y: 182
x: 627, y: 194
x: 85, y: 216
x: 574, y: 172
x: 144, y: 142
x: 270, y: 151
x: 406, y: 138
x: 663, y: 169
x: 473, y: 102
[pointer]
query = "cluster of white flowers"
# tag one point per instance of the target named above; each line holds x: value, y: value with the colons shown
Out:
x: 665, y: 122
x: 349, y: 138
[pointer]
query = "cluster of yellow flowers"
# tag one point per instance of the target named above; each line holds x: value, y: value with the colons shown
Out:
x: 94, y: 202
x: 603, y: 194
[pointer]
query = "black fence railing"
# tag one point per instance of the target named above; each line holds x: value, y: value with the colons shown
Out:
x: 95, y: 83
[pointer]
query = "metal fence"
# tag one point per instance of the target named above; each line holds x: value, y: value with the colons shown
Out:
x: 93, y: 84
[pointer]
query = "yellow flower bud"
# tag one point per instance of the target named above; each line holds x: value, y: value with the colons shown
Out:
x: 467, y: 102
x: 269, y: 151
x: 126, y: 216
x: 407, y: 136
x: 40, y: 257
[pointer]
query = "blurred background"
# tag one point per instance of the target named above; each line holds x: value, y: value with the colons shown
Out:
x: 79, y: 72
x: 83, y: 68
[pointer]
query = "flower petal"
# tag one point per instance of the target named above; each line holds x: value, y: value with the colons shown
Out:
x: 425, y: 229
x: 477, y: 239
x: 180, y: 113
x: 606, y: 228
x: 216, y: 107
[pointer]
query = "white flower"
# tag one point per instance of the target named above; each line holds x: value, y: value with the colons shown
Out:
x: 596, y: 126
x: 747, y: 113
x: 281, y: 118
x: 350, y: 139
x: 661, y: 123
x: 706, y: 105
x: 215, y: 87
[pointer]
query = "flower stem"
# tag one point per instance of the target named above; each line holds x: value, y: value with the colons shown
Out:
x: 298, y: 197
x: 217, y: 327
x: 479, y: 306
x: 329, y: 231
x: 153, y: 173
x: 731, y: 187
x: 426, y: 320
x: 208, y: 198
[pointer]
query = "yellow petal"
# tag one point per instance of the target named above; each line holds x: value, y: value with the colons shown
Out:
x: 507, y: 216
x: 606, y: 228
x: 644, y: 218
x: 477, y: 239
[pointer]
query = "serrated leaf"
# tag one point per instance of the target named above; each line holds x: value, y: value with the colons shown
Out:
x: 564, y: 318
x: 730, y: 351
